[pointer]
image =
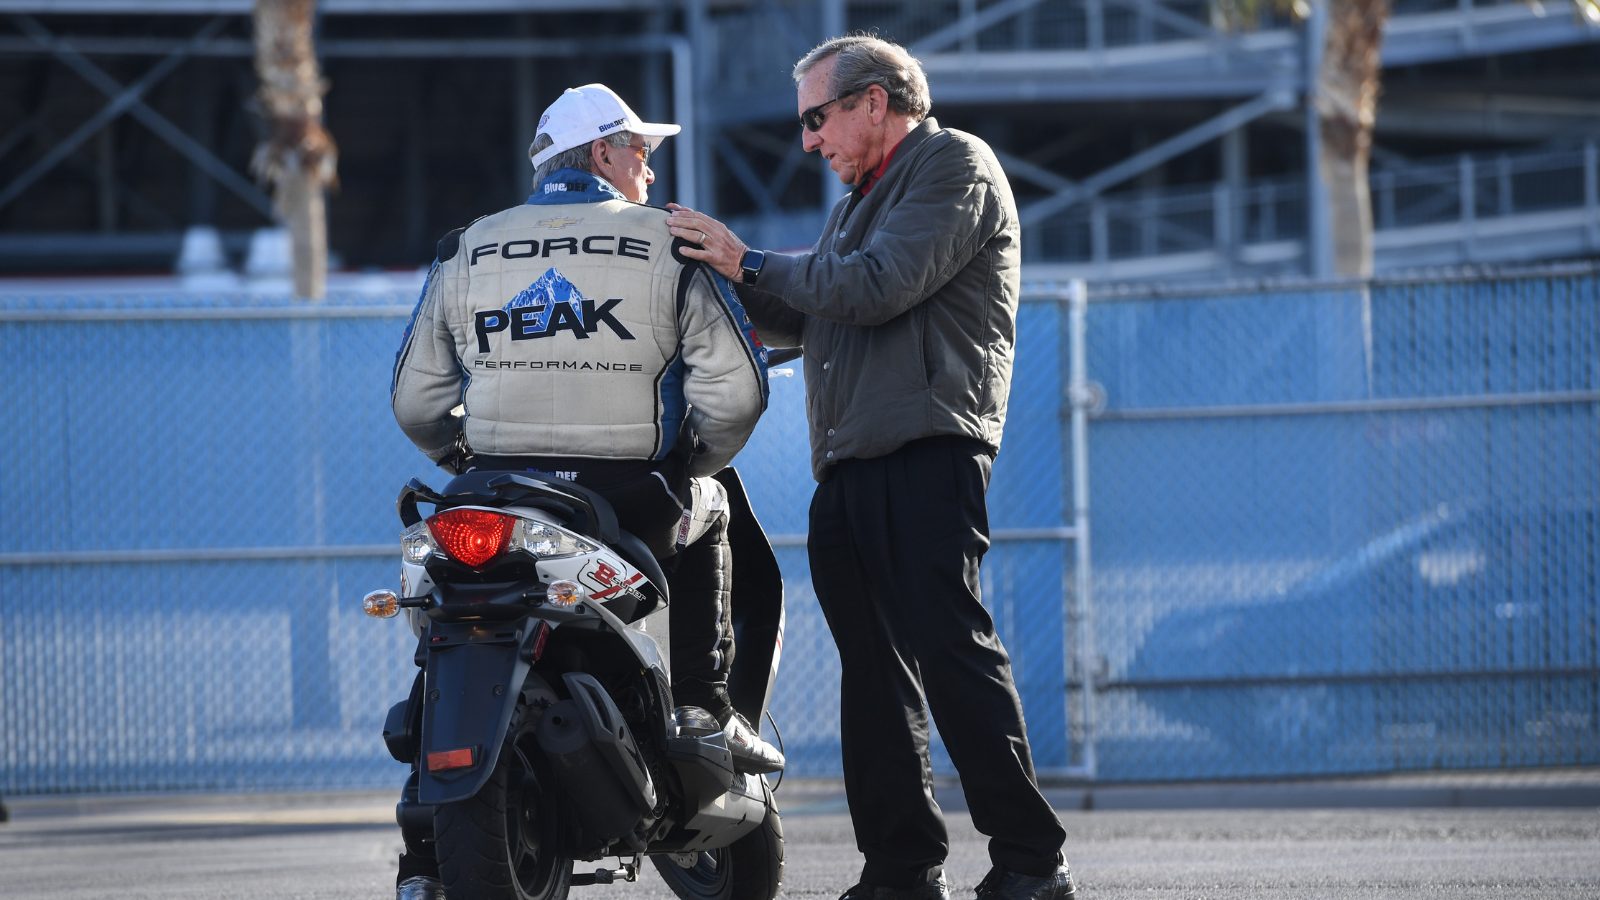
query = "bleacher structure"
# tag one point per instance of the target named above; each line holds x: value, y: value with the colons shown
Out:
x: 1144, y: 142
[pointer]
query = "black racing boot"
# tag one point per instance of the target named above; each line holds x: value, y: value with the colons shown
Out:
x: 419, y: 887
x: 416, y: 876
x: 1001, y: 884
x: 751, y: 754
x: 932, y: 887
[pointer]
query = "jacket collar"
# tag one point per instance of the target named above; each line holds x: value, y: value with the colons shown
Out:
x: 924, y: 130
x: 573, y: 186
x: 907, y: 146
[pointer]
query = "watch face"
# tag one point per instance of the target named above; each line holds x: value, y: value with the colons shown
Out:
x: 751, y: 263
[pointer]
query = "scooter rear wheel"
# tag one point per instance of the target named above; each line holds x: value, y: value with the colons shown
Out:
x: 751, y: 868
x: 509, y: 841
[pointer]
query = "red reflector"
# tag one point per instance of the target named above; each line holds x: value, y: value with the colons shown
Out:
x: 540, y: 639
x: 472, y: 536
x: 450, y: 759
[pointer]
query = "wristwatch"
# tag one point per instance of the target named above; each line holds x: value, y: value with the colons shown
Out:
x: 750, y: 265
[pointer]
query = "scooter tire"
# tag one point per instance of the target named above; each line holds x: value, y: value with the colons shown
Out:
x: 751, y: 868
x: 509, y: 840
x: 758, y: 859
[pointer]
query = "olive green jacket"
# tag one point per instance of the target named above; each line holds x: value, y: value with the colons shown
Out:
x: 907, y: 304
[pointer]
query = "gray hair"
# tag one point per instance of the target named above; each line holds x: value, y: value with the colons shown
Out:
x: 865, y: 60
x: 575, y: 158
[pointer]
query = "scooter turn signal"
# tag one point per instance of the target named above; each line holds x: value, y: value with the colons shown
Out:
x: 381, y: 604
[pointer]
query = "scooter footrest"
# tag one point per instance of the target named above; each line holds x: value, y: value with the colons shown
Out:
x: 704, y: 765
x: 607, y: 876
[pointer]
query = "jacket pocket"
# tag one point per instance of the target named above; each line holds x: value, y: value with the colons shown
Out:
x: 925, y: 354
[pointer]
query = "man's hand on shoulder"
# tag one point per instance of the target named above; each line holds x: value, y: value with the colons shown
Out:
x: 709, y: 241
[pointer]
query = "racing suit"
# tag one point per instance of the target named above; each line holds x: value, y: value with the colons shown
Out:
x: 583, y: 347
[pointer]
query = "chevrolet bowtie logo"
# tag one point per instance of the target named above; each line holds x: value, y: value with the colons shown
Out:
x: 557, y: 222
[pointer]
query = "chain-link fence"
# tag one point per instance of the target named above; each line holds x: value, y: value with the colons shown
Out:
x: 198, y: 492
x: 1348, y: 530
x: 1334, y: 530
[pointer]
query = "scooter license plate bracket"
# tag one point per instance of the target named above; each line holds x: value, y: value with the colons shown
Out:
x: 455, y: 635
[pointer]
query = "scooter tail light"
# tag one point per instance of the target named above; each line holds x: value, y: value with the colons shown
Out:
x: 472, y: 536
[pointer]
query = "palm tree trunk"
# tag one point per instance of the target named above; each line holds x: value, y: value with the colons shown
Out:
x: 299, y: 158
x: 1347, y: 107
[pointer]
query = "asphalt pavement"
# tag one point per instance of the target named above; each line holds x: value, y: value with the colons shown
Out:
x: 1522, y: 834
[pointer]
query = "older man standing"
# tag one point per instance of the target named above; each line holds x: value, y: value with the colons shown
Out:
x: 906, y: 308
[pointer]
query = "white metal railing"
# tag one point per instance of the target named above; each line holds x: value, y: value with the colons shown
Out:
x: 1458, y: 193
x: 1095, y: 25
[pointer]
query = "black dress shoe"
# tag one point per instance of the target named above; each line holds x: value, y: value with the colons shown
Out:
x: 933, y: 887
x: 1000, y: 884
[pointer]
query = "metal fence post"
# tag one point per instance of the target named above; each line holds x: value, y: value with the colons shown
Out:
x: 1080, y: 616
x: 1319, y: 237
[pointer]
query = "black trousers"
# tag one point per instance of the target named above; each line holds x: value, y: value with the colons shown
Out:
x: 895, y: 547
x: 700, y: 619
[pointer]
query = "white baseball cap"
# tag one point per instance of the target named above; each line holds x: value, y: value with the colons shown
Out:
x: 582, y: 114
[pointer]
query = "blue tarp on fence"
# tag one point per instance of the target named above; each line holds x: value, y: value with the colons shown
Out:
x: 1334, y: 530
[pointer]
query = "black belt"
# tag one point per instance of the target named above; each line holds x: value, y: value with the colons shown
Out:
x: 585, y: 470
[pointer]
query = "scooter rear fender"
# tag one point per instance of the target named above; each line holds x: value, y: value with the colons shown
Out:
x: 474, y: 674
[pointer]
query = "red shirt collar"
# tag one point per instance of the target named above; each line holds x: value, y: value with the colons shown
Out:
x: 872, y: 179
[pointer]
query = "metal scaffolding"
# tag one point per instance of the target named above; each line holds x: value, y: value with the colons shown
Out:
x: 1144, y: 142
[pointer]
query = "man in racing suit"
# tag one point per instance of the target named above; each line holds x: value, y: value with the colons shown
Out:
x: 582, y: 346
